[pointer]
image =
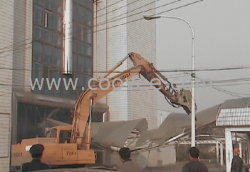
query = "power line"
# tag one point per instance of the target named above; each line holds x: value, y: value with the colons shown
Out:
x: 166, y: 71
x: 126, y: 13
x: 125, y: 22
x: 58, y: 27
x: 229, y: 81
x: 234, y: 94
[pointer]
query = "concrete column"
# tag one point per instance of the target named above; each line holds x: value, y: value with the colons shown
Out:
x: 217, y: 152
x: 68, y: 37
x: 240, y: 147
x: 248, y: 149
x: 221, y: 154
x: 229, y: 149
x: 105, y: 117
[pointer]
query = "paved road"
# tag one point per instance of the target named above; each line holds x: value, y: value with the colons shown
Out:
x: 166, y: 169
x: 217, y: 169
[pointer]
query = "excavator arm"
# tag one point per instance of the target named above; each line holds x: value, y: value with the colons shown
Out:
x: 82, y: 110
x: 100, y: 88
x: 175, y: 97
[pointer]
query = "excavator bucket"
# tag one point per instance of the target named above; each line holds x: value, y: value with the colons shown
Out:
x: 184, y: 98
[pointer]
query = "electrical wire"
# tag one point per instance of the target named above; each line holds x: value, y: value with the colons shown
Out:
x: 234, y: 94
x: 147, y: 85
x: 134, y: 20
x: 127, y: 16
x: 163, y: 71
x: 84, y: 16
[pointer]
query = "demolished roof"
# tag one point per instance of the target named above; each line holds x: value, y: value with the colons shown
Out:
x: 177, y: 123
x: 116, y: 134
x: 110, y: 133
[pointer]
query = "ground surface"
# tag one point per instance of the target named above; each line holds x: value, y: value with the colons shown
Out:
x: 210, y: 169
x: 173, y: 168
x: 178, y: 168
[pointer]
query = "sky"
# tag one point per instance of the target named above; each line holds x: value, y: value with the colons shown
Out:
x: 222, y: 40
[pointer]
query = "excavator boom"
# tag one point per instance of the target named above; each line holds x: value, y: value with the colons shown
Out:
x: 177, y: 98
x: 103, y: 86
x: 97, y: 91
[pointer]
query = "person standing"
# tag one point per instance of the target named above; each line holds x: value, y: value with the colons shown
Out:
x: 36, y: 152
x: 127, y: 164
x: 237, y: 163
x: 194, y: 165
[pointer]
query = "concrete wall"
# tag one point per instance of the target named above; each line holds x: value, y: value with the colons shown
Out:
x: 120, y: 29
x: 117, y: 32
x: 15, y: 69
x: 6, y: 64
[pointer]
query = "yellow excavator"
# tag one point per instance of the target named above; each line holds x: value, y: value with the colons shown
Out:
x: 70, y: 145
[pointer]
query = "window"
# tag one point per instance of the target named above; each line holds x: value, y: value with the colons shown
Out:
x: 57, y: 6
x: 38, y: 51
x: 48, y: 19
x: 47, y: 54
x: 38, y: 18
x: 57, y: 39
x: 57, y: 20
x: 80, y: 62
x: 49, y: 4
x: 38, y: 32
x: 57, y: 57
x: 48, y: 45
x: 82, y: 42
x: 53, y: 133
x: 88, y: 66
x: 88, y: 17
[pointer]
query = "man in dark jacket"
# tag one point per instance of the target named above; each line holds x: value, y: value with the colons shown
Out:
x: 237, y: 163
x: 36, y: 164
x: 127, y: 164
x: 194, y: 165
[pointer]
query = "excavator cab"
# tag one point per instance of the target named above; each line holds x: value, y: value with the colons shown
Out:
x: 60, y: 133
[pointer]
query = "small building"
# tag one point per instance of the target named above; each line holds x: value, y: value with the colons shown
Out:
x: 236, y: 121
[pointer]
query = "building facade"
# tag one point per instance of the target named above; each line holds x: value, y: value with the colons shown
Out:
x: 34, y: 40
x: 33, y: 47
x: 119, y: 28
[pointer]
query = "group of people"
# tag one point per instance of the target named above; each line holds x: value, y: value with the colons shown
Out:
x: 196, y: 166
x: 127, y: 165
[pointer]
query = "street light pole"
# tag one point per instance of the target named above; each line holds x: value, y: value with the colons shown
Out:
x: 151, y: 17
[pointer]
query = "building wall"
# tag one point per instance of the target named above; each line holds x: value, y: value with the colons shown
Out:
x: 22, y: 43
x: 142, y: 40
x: 28, y: 49
x: 15, y: 45
x: 116, y: 34
x: 16, y: 34
x: 99, y: 41
x: 119, y: 29
x: 6, y: 56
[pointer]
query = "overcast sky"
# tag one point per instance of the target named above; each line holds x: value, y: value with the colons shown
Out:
x: 222, y: 39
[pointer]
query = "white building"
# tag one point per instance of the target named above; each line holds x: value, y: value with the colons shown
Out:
x: 32, y: 45
x: 120, y: 29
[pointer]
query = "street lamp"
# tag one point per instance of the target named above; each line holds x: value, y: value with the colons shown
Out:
x: 151, y: 17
